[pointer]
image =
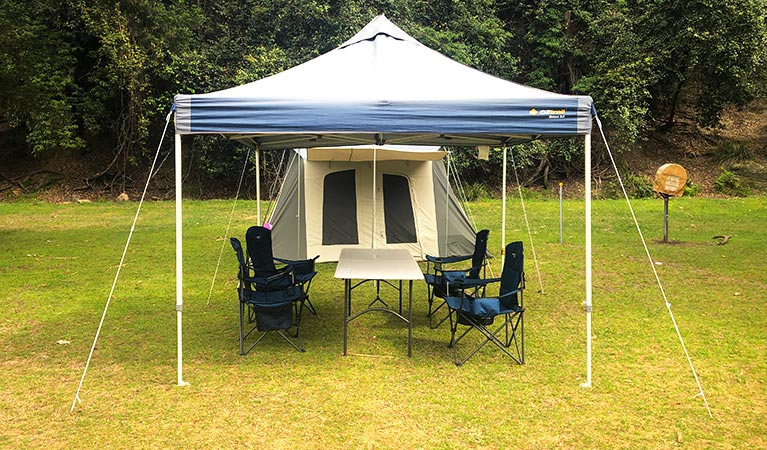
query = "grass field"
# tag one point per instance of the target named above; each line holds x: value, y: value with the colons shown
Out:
x: 57, y: 263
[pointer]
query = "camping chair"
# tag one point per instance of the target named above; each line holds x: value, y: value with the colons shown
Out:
x: 267, y: 301
x: 259, y: 242
x: 436, y: 271
x: 479, y: 313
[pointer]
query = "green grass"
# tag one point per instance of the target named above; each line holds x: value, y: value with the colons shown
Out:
x: 57, y: 263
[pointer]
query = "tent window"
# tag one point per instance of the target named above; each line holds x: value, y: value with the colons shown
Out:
x: 398, y: 210
x: 339, y: 209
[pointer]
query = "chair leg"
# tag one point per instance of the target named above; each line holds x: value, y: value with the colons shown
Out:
x: 512, y: 324
x: 298, y: 346
x: 517, y: 336
x: 250, y: 315
x: 432, y: 310
x: 433, y: 325
x: 309, y: 306
x: 243, y: 334
x: 305, y: 290
x: 242, y: 318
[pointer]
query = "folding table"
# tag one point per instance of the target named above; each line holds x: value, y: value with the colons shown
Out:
x: 377, y: 264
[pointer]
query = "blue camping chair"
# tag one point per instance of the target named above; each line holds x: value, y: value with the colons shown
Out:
x: 267, y: 303
x: 438, y: 268
x: 479, y: 313
x: 259, y: 242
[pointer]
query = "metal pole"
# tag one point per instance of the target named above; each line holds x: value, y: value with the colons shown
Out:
x: 373, y: 237
x: 447, y: 206
x: 299, y: 203
x: 503, y: 207
x: 665, y: 218
x: 258, y: 185
x: 560, y: 212
x: 179, y: 263
x: 587, y: 303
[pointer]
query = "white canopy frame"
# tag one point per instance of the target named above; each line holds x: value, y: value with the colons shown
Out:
x: 333, y: 100
x: 180, y: 269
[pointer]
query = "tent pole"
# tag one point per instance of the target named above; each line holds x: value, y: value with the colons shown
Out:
x: 179, y: 259
x: 373, y: 237
x: 447, y: 205
x: 587, y: 302
x: 301, y: 200
x: 503, y: 207
x: 258, y: 185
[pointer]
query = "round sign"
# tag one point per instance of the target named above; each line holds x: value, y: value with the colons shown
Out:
x: 670, y: 179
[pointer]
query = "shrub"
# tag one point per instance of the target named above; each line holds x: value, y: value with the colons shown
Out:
x: 475, y: 191
x: 728, y: 183
x: 637, y: 186
x: 729, y: 152
x: 691, y: 189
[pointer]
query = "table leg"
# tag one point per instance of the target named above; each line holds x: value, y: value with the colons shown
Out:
x: 347, y: 309
x: 409, y: 318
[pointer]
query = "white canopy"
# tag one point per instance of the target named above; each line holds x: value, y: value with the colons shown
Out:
x: 382, y: 87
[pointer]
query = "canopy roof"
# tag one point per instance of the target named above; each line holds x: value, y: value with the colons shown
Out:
x: 382, y: 87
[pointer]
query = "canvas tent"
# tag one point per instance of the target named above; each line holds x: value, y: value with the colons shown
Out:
x: 399, y: 100
x: 327, y: 203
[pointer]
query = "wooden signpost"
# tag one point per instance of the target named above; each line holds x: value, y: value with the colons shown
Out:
x: 670, y: 180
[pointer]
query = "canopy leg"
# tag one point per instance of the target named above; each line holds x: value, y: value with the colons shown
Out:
x: 179, y: 263
x: 587, y: 302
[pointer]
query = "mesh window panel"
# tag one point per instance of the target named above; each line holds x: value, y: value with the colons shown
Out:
x: 398, y: 210
x: 339, y: 209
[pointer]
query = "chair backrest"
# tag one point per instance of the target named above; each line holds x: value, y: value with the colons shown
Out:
x: 480, y: 252
x: 259, y: 241
x: 237, y: 246
x: 244, y: 288
x: 513, y: 271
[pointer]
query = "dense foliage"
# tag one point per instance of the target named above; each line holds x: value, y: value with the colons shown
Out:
x: 98, y: 76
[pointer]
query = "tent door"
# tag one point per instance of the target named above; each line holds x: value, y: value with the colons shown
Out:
x: 399, y: 218
x: 339, y: 209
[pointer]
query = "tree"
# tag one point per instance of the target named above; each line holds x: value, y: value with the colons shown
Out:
x: 37, y: 85
x: 89, y: 75
x: 711, y: 53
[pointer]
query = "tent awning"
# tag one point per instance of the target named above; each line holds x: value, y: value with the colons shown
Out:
x: 383, y: 87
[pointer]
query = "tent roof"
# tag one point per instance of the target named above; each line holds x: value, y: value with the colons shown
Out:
x: 382, y: 86
x: 356, y: 153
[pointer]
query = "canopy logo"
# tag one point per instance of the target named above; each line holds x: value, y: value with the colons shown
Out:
x: 552, y: 113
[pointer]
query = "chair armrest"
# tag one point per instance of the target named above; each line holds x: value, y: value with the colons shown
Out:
x: 459, y: 277
x: 296, y: 261
x: 477, y: 282
x: 447, y: 259
x: 515, y: 291
x: 280, y: 280
x: 304, y: 277
x: 300, y: 266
